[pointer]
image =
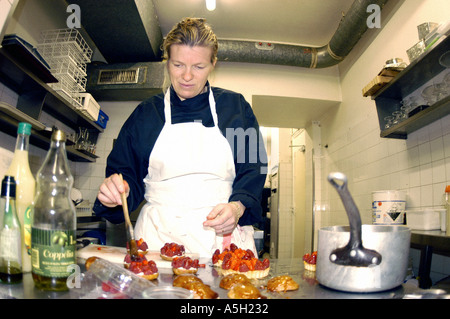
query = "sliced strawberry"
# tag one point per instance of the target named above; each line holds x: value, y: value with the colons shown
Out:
x: 243, y: 267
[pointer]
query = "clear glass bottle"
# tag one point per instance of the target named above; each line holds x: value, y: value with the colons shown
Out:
x: 25, y: 189
x: 10, y: 235
x: 53, y: 231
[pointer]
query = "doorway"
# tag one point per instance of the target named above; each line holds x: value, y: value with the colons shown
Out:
x: 299, y: 192
x: 287, y: 162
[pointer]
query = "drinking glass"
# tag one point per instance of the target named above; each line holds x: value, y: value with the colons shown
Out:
x: 397, y: 116
x: 388, y: 121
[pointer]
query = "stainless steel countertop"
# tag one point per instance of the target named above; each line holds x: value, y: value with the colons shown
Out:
x: 309, y: 287
x: 439, y: 240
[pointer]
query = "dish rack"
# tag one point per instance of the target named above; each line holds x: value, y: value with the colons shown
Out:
x: 67, y: 54
x: 84, y: 209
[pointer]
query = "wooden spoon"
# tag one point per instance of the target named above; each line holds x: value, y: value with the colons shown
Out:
x: 129, y: 228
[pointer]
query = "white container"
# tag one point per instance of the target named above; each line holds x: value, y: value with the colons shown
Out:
x: 89, y: 105
x: 427, y: 219
x: 388, y: 207
x: 443, y: 214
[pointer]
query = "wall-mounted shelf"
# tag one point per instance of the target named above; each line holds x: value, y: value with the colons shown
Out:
x: 410, y: 79
x: 10, y: 117
x: 36, y: 97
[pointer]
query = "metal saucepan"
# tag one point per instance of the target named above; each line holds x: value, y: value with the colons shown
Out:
x: 344, y: 263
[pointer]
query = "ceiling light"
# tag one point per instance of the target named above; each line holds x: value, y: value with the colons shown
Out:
x: 211, y: 5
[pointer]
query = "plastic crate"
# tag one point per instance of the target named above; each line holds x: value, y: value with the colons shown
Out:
x: 102, y: 119
x: 89, y: 105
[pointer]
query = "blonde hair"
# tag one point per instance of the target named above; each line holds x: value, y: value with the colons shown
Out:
x: 191, y: 32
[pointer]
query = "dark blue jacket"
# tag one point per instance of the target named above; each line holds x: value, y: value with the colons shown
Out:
x: 131, y: 151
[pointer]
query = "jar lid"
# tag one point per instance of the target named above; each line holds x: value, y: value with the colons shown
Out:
x: 24, y: 128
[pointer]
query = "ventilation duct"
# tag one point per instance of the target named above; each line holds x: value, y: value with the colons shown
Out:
x: 122, y: 30
x: 125, y: 81
x: 350, y: 30
x: 118, y: 52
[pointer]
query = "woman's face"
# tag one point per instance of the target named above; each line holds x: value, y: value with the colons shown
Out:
x: 189, y: 68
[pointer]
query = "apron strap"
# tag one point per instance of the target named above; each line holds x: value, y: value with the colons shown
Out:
x: 168, y: 112
x: 167, y: 109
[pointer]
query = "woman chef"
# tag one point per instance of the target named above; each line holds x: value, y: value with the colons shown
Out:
x: 191, y: 153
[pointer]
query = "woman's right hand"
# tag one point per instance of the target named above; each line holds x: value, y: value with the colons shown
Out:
x: 110, y: 190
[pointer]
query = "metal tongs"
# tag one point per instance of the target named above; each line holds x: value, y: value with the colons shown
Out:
x: 129, y: 228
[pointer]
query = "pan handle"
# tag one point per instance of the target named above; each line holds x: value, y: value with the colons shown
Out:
x: 353, y: 254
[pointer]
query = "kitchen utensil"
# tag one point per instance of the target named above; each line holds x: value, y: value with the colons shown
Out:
x: 76, y: 196
x: 344, y: 263
x: 129, y: 228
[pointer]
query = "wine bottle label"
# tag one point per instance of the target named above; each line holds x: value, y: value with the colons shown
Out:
x: 10, y: 245
x: 52, y: 251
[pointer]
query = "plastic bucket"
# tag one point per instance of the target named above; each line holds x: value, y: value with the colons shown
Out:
x: 388, y: 207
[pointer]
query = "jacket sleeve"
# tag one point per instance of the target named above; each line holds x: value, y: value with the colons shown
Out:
x: 250, y: 157
x: 130, y: 156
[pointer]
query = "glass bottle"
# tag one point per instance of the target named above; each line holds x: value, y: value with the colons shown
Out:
x: 10, y: 235
x: 53, y: 231
x: 25, y: 189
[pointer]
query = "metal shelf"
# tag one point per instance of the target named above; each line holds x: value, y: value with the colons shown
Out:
x: 410, y: 79
x: 35, y: 96
x: 10, y: 117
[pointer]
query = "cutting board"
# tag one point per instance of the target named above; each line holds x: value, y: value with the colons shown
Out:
x: 117, y: 254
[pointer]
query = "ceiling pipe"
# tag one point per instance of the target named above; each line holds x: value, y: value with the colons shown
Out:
x: 351, y: 28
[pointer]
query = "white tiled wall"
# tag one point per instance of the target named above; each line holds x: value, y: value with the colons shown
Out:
x: 89, y: 176
x: 420, y: 166
x: 350, y: 134
x: 286, y: 217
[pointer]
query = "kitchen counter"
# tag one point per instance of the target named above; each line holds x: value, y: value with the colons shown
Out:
x: 309, y: 287
x: 429, y: 242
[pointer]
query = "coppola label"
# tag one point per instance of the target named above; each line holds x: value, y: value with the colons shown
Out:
x: 52, y: 251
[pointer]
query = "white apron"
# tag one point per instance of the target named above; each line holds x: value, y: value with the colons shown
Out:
x: 191, y: 170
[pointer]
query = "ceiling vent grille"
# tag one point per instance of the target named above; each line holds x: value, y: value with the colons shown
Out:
x: 124, y: 76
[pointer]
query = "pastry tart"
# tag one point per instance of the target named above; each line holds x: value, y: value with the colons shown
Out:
x: 185, y: 265
x: 142, y: 267
x: 171, y: 250
x: 141, y: 246
x: 310, y: 260
x: 237, y: 260
x: 230, y: 280
x: 196, y: 285
x: 245, y: 291
x: 282, y: 284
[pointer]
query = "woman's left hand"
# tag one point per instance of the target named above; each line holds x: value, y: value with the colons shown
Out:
x: 224, y: 217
